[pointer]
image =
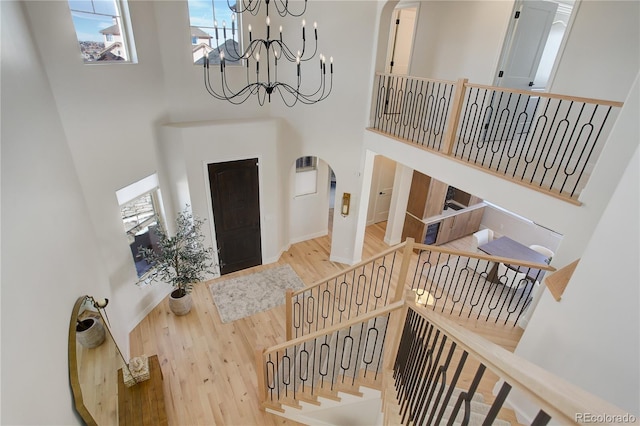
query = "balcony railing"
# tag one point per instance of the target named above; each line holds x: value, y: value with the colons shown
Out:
x: 542, y: 140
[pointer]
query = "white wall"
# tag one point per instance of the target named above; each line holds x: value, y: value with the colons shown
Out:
x: 108, y: 154
x: 202, y: 143
x: 50, y: 252
x: 519, y: 229
x: 600, y: 58
x: 331, y: 130
x: 460, y: 39
x: 592, y: 336
x: 309, y: 213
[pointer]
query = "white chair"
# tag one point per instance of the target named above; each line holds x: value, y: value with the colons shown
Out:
x: 543, y: 251
x: 483, y: 236
x: 510, y: 277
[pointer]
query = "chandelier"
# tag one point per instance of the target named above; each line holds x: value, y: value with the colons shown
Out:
x: 263, y: 56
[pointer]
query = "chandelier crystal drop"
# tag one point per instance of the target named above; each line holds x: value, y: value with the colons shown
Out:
x: 263, y: 56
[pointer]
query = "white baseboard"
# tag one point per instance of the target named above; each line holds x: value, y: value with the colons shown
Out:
x: 344, y: 260
x: 274, y: 259
x: 308, y: 237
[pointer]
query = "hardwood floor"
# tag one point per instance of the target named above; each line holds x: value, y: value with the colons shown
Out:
x: 208, y: 366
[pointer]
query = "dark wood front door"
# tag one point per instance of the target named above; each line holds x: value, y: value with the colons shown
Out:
x: 236, y: 212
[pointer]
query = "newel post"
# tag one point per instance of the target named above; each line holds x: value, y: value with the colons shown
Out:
x: 289, y: 313
x: 407, y: 253
x: 260, y: 372
x: 454, y: 117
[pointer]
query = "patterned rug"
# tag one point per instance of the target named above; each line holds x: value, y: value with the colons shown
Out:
x: 244, y: 296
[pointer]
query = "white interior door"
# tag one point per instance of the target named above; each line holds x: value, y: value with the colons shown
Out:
x: 401, y: 40
x: 384, y: 171
x: 525, y: 43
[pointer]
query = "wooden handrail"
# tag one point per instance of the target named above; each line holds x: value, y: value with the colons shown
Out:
x: 335, y: 327
x: 497, y: 259
x: 350, y: 269
x: 557, y: 397
x: 604, y: 102
x: 433, y: 80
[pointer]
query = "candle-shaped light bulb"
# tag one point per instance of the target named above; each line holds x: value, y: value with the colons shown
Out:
x: 298, y: 65
x: 315, y: 25
x: 257, y: 57
x: 303, y: 35
x: 298, y: 60
x: 233, y: 23
x: 224, y: 24
x: 280, y: 28
x: 222, y: 55
x: 304, y: 23
x: 249, y: 27
x: 250, y: 38
x: 298, y: 54
x: 268, y: 21
x: 215, y: 25
x: 331, y: 64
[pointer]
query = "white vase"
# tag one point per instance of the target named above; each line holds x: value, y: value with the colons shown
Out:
x: 180, y: 303
x: 90, y: 333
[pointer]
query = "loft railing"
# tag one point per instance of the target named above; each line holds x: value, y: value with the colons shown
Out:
x: 542, y: 140
x: 440, y: 368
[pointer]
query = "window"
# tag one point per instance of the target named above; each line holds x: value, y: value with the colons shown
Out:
x: 306, y: 176
x: 304, y: 164
x: 204, y: 15
x: 102, y: 30
x: 140, y: 209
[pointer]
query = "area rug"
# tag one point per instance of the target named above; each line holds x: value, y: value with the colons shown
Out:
x: 247, y: 295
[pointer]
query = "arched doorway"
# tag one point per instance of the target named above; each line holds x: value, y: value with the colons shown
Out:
x: 312, y: 183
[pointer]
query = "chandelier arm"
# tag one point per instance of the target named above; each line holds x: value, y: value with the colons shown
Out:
x: 251, y: 8
x: 283, y: 8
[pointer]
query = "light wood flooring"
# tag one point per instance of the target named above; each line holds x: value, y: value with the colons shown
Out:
x: 208, y: 366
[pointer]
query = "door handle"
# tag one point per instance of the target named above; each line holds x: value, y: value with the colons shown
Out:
x: 382, y: 193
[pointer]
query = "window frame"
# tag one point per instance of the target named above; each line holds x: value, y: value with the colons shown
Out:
x: 135, y: 191
x: 123, y: 20
x: 239, y: 32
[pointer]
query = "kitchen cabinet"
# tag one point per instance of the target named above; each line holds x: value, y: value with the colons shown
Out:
x: 459, y: 225
x: 438, y: 213
x: 414, y: 228
x: 426, y: 196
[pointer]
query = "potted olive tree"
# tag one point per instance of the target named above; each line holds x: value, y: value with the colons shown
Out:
x: 180, y: 260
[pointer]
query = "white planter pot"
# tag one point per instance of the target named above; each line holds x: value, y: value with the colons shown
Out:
x: 90, y: 333
x: 180, y: 305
